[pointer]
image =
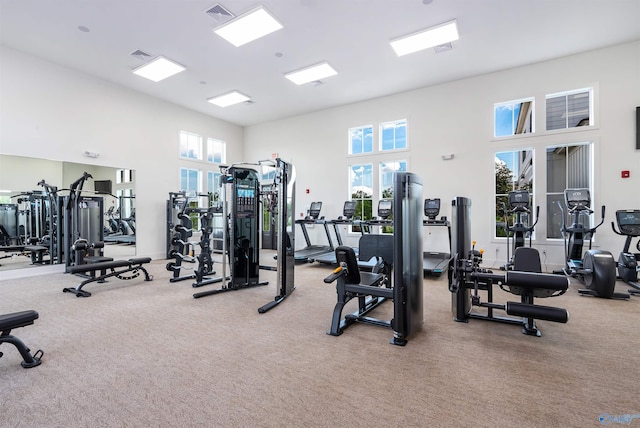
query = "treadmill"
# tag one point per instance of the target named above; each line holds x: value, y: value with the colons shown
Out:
x: 348, y: 213
x: 434, y: 263
x: 308, y: 253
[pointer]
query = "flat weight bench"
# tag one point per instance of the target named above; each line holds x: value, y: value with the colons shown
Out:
x: 15, y: 320
x: 116, y: 267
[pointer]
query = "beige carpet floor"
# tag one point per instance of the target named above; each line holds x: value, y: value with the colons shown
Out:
x: 146, y: 354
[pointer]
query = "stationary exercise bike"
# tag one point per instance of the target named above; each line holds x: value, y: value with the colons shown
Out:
x: 628, y: 262
x: 519, y: 205
x: 596, y: 268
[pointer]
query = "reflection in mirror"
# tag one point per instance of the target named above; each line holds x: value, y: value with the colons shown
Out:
x: 47, y: 206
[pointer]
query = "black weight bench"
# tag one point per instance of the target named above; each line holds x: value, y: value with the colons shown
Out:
x: 15, y: 320
x: 116, y: 268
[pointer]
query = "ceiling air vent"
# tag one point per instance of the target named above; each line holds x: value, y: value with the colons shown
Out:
x: 443, y: 48
x: 141, y: 55
x: 219, y: 13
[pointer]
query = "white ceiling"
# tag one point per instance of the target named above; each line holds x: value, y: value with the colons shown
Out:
x: 352, y: 35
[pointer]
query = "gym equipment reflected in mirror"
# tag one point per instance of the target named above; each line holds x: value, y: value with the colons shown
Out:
x: 34, y: 196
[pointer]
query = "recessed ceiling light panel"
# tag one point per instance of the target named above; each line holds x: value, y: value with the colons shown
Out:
x: 228, y: 99
x: 158, y: 69
x: 311, y: 74
x: 434, y: 36
x: 248, y: 27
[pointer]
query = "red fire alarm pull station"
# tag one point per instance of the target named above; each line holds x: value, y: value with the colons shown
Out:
x: 625, y: 174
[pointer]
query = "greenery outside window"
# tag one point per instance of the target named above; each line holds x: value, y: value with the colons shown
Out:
x: 387, y: 172
x: 361, y: 191
x: 513, y: 171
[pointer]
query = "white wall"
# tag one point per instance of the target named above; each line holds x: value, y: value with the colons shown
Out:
x: 457, y: 118
x: 51, y: 112
x: 56, y: 113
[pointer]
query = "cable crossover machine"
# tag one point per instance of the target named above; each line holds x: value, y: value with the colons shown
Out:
x: 241, y: 196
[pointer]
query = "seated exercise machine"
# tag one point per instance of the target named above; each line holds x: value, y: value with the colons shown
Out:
x: 15, y: 320
x: 434, y: 262
x: 525, y: 280
x: 628, y: 262
x: 121, y: 269
x: 595, y: 268
x: 374, y: 288
x: 517, y: 233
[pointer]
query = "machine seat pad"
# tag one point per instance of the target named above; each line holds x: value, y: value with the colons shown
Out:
x: 34, y: 248
x: 17, y: 319
x: 89, y: 267
x: 533, y: 280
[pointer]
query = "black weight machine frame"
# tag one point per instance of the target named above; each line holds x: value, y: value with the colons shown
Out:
x: 465, y: 275
x: 374, y: 288
x: 245, y: 206
x: 628, y: 262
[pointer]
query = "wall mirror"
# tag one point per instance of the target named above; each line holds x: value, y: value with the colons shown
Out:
x: 105, y: 211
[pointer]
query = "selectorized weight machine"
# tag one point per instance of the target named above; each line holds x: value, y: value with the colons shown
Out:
x: 467, y: 279
x: 241, y: 197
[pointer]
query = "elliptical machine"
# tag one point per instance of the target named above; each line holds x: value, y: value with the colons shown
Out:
x: 519, y: 205
x: 628, y: 262
x: 596, y: 268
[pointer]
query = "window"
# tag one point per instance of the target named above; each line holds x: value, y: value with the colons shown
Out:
x: 513, y: 171
x: 190, y: 181
x: 387, y: 170
x: 213, y: 184
x: 190, y: 145
x: 386, y: 177
x: 216, y: 151
x: 569, y: 109
x: 361, y: 190
x: 393, y: 135
x: 361, y: 140
x: 124, y: 176
x: 513, y: 117
x: 568, y: 167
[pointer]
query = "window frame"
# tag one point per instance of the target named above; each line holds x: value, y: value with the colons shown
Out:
x: 362, y: 129
x: 566, y: 94
x: 185, y: 142
x: 381, y: 133
x: 551, y: 197
x: 211, y: 150
x: 511, y: 105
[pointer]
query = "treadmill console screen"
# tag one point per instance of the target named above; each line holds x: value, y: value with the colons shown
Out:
x: 349, y: 209
x: 314, y: 209
x: 385, y: 207
x: 431, y: 208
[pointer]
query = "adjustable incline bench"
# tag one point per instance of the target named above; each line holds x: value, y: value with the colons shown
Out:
x: 14, y: 320
x: 117, y: 268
